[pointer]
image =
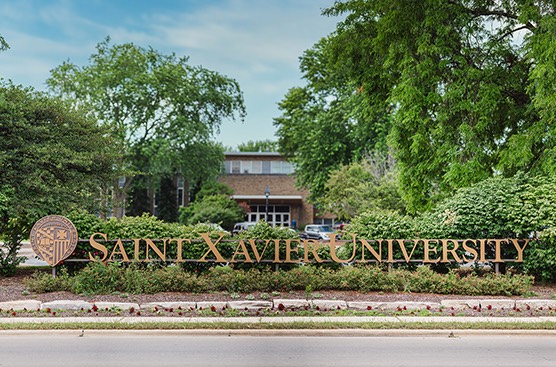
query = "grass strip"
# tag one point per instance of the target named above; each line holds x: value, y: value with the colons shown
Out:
x: 282, y: 326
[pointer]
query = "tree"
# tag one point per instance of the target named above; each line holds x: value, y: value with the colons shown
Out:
x: 214, y: 187
x: 463, y: 89
x: 54, y: 158
x: 219, y: 209
x: 161, y: 111
x: 167, y: 199
x: 258, y: 146
x: 368, y: 185
x: 327, y: 123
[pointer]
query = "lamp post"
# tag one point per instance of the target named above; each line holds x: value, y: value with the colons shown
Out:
x: 266, y: 195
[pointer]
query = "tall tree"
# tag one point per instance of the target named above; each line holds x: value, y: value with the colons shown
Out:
x: 162, y: 111
x: 54, y: 158
x: 466, y: 87
x: 329, y: 122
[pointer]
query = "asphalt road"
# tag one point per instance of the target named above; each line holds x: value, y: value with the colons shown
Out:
x: 154, y: 348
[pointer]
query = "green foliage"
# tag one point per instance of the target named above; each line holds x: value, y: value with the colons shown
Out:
x: 161, y: 111
x: 44, y: 282
x: 264, y: 230
x: 318, y: 136
x: 86, y: 223
x: 97, y: 278
x: 460, y: 91
x: 484, y: 210
x: 540, y: 256
x: 168, y: 205
x: 381, y: 225
x: 145, y: 226
x: 258, y: 146
x: 54, y: 159
x: 220, y: 209
x: 494, y: 208
x: 361, y: 186
x: 214, y: 187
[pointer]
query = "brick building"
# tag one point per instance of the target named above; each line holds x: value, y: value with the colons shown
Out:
x: 266, y: 179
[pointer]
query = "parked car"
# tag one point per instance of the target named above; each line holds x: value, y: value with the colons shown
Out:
x: 317, y: 232
x: 242, y: 226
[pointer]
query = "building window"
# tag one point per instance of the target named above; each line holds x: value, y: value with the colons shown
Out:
x: 236, y: 166
x: 180, y: 189
x: 258, y: 167
x: 281, y: 168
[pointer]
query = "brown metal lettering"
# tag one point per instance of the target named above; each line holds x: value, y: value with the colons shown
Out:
x: 119, y: 246
x: 311, y: 246
x: 469, y: 249
x: 149, y: 244
x: 332, y: 246
x: 519, y: 249
x: 243, y: 252
x: 212, y: 248
x: 445, y: 251
x: 289, y: 250
x: 366, y: 245
x: 98, y: 246
x: 427, y: 250
x: 253, y: 244
x: 497, y: 250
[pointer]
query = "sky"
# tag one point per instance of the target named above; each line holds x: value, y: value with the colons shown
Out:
x: 256, y: 42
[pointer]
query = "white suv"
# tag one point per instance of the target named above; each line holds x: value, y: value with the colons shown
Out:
x: 317, y: 232
x: 243, y: 226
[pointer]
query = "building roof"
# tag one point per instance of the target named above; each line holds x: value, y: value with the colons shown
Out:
x: 254, y: 154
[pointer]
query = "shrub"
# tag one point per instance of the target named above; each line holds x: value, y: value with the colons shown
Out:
x: 44, y: 282
x: 97, y: 278
x: 540, y: 256
x: 214, y: 209
x: 380, y: 225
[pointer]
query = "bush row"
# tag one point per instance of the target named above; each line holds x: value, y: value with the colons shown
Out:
x: 516, y: 207
x: 97, y: 278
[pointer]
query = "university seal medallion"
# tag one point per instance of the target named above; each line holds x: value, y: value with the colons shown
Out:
x: 53, y: 238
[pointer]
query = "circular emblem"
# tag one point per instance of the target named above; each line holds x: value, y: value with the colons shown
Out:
x: 53, y: 238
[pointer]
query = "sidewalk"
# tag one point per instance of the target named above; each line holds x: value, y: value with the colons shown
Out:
x: 32, y: 259
x: 276, y: 320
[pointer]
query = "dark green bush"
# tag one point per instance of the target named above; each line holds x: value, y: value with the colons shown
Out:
x: 540, y: 256
x: 97, y: 278
x: 218, y: 209
x: 495, y: 208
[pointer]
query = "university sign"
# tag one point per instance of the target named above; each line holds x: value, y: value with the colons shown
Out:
x: 52, y: 239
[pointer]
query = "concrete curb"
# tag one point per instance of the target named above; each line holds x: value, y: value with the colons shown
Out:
x: 275, y: 320
x: 293, y: 304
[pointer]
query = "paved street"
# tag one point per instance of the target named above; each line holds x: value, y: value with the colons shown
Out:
x: 27, y: 251
x: 186, y: 349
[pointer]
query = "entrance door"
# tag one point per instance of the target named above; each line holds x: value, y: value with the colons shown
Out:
x: 278, y: 215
